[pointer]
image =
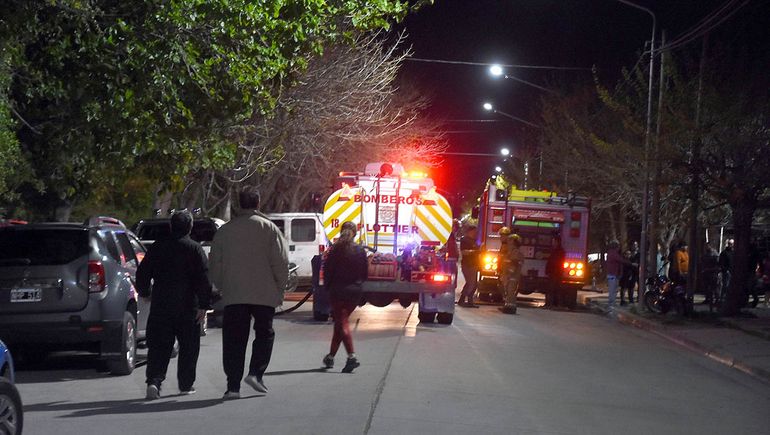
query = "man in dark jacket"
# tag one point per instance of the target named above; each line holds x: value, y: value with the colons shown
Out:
x: 174, y: 275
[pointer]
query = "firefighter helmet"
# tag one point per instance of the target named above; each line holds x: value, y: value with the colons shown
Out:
x: 504, y: 232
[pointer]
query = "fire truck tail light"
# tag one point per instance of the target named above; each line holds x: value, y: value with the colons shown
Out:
x: 572, y: 272
x: 579, y: 273
x: 566, y: 265
x: 438, y: 277
x: 580, y: 266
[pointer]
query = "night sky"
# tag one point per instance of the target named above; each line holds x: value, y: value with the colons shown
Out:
x: 568, y: 33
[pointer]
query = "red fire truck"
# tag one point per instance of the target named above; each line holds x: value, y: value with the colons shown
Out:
x: 543, y: 220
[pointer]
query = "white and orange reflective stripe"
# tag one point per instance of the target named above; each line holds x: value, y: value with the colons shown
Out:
x: 340, y: 210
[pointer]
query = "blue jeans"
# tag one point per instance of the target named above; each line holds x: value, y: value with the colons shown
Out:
x: 612, y: 288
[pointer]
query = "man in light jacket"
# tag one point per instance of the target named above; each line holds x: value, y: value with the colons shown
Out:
x: 249, y: 264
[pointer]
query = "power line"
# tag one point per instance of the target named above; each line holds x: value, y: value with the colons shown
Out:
x: 698, y: 30
x: 458, y: 62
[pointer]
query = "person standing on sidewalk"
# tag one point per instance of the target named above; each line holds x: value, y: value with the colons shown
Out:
x: 470, y: 266
x: 345, y: 269
x: 627, y: 280
x: 174, y: 275
x: 614, y: 264
x: 710, y: 274
x: 726, y: 267
x: 249, y: 265
x: 765, y: 278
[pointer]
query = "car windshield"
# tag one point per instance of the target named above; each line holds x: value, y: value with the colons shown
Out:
x: 38, y: 246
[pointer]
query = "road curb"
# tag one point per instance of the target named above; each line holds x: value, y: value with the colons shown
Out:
x: 663, y: 332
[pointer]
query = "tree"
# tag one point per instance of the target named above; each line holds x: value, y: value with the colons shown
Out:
x: 105, y: 87
x: 343, y: 112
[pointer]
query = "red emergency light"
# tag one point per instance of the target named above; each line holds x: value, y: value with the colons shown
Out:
x: 438, y: 277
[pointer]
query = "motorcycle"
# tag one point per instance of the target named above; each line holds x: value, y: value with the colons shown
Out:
x: 662, y: 295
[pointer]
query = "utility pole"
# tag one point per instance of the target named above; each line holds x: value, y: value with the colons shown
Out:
x: 655, y: 205
x: 643, y: 243
x: 692, y: 271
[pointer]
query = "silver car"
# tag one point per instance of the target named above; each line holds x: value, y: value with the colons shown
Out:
x: 70, y: 286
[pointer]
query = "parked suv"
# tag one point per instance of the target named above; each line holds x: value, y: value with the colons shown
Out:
x: 66, y: 285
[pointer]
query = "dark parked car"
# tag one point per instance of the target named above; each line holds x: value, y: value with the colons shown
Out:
x: 11, y: 413
x: 70, y: 286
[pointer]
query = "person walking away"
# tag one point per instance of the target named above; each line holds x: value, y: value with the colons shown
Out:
x: 627, y: 280
x: 510, y: 268
x: 173, y: 275
x: 249, y: 265
x: 710, y: 274
x: 470, y: 266
x: 554, y: 270
x: 615, y: 263
x: 345, y: 269
x: 726, y: 267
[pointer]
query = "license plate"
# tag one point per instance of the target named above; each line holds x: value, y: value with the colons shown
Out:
x: 26, y: 295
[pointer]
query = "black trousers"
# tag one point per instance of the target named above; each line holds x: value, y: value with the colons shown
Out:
x: 235, y: 336
x: 161, y: 333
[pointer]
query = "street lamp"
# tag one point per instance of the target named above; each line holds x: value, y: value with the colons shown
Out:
x: 505, y: 152
x: 490, y: 108
x: 643, y: 245
x: 496, y: 70
x: 498, y: 169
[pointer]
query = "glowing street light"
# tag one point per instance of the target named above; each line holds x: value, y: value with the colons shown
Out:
x: 496, y: 70
x: 498, y: 169
x: 488, y: 107
x: 505, y: 152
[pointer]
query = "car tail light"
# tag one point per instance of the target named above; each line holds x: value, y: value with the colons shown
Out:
x: 96, y: 278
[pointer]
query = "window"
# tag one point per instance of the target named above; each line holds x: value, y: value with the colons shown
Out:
x: 42, y: 246
x: 112, y: 247
x: 302, y: 230
x: 203, y: 231
x: 129, y: 256
x: 139, y: 250
x: 154, y: 230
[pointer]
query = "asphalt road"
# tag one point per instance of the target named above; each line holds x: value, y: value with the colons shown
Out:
x: 539, y: 372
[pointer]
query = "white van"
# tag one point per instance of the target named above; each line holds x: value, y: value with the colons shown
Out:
x: 306, y: 237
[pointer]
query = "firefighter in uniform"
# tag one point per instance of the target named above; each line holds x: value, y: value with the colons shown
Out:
x: 510, y: 268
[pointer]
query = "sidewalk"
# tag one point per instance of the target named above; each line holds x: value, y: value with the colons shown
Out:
x: 742, y: 343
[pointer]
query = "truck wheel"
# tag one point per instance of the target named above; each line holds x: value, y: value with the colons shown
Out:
x: 426, y: 317
x: 445, y: 318
x: 11, y: 413
x: 124, y: 364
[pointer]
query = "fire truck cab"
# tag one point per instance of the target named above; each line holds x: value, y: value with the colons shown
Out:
x: 542, y: 220
x: 403, y: 222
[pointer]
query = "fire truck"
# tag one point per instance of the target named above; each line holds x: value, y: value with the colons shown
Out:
x: 542, y: 220
x: 403, y: 222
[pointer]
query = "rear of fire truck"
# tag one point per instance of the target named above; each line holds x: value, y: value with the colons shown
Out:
x: 544, y: 220
x: 404, y: 224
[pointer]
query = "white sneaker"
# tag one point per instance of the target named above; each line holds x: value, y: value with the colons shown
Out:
x: 187, y: 392
x: 153, y: 392
x: 231, y: 395
x: 255, y: 384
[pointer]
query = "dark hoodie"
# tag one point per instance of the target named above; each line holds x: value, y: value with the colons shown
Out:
x: 178, y: 270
